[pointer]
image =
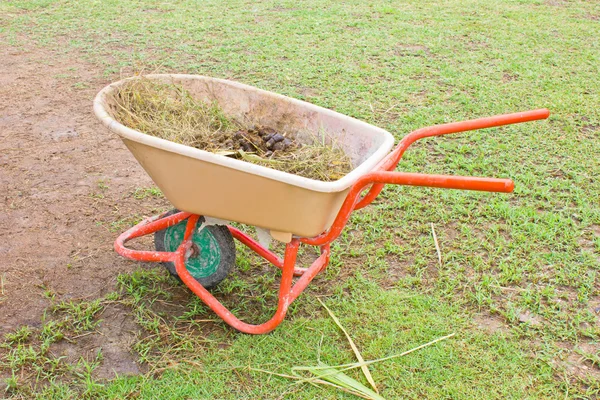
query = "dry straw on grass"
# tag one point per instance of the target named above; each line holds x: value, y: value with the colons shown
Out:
x: 323, y: 374
x: 168, y: 111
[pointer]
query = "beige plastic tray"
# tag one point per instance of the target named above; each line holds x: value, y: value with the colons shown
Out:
x: 204, y: 183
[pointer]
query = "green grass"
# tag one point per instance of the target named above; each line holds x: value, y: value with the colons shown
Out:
x: 33, y: 370
x: 399, y: 65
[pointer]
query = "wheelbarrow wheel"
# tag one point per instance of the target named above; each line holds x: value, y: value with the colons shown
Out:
x: 213, y: 251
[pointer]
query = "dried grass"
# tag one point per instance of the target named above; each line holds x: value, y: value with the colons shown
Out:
x: 323, y: 374
x: 168, y: 111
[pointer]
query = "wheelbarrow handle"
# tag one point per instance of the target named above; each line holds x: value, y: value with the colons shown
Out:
x: 390, y: 162
x: 384, y: 171
x: 471, y: 125
x: 441, y: 181
x: 392, y: 159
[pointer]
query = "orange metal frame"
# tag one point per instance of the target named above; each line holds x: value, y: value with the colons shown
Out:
x: 374, y: 181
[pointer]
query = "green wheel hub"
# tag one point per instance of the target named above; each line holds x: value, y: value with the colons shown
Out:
x: 205, y: 255
x: 211, y: 256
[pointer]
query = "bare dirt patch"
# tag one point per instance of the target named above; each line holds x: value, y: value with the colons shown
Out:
x: 398, y: 268
x: 588, y: 238
x: 555, y: 3
x: 114, y: 337
x: 490, y: 323
x: 508, y: 77
x: 578, y: 360
x: 415, y: 50
x: 65, y: 183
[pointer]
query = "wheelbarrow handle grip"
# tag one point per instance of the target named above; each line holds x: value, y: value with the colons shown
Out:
x: 393, y: 158
x: 481, y: 123
x: 442, y: 181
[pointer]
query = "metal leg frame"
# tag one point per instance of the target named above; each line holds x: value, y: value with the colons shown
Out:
x: 288, y: 291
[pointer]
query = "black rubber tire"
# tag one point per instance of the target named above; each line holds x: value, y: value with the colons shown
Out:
x: 226, y: 244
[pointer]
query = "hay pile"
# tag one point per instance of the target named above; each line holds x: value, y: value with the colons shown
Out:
x: 168, y: 111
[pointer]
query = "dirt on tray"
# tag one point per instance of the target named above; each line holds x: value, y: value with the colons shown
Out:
x: 169, y: 111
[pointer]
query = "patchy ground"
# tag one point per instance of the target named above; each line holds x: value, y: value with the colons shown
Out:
x: 518, y: 281
x: 64, y: 181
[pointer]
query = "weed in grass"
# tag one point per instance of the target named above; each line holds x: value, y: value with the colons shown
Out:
x: 12, y: 384
x: 142, y: 193
x: 19, y: 336
x: 83, y: 371
x: 81, y: 85
x: 80, y: 315
x: 102, y: 185
x: 125, y: 223
x: 97, y: 196
x: 52, y: 331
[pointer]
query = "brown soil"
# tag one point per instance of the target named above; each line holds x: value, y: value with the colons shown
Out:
x: 490, y: 323
x: 63, y: 181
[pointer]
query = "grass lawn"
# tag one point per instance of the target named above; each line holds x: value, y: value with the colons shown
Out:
x: 519, y: 282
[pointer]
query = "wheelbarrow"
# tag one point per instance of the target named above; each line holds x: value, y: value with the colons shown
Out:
x: 293, y: 209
